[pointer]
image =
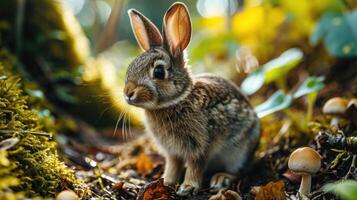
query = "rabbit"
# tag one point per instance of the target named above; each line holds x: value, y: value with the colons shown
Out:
x: 202, y: 124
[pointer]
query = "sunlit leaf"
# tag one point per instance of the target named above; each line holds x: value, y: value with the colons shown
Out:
x: 338, y: 32
x: 347, y: 190
x: 253, y: 82
x: 311, y: 84
x: 278, y: 101
x: 247, y: 25
x: 144, y: 164
x: 281, y: 65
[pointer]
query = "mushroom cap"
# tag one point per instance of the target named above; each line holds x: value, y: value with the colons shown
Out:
x: 67, y: 195
x: 351, y: 111
x: 352, y: 103
x: 305, y: 160
x: 335, y: 106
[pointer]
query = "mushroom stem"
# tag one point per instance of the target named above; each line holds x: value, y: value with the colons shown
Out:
x: 305, y: 185
x: 334, y: 122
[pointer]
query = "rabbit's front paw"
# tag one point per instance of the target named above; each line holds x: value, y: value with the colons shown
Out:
x: 173, y: 170
x: 187, y: 189
x: 169, y: 181
x: 221, y: 180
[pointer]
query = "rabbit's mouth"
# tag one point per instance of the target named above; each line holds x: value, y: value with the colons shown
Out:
x: 139, y: 95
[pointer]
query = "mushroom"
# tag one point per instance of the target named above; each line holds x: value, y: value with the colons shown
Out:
x: 336, y: 107
x: 351, y: 111
x: 305, y: 161
x: 67, y: 195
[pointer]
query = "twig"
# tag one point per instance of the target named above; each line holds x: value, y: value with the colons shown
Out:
x: 31, y: 132
x: 328, y: 140
x: 352, y: 167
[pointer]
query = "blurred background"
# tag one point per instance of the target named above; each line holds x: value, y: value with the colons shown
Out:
x: 63, y: 63
x: 231, y: 38
x: 74, y: 53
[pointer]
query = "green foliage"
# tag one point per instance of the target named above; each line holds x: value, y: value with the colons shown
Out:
x: 279, y: 67
x: 51, y: 47
x: 274, y: 70
x: 310, y: 85
x: 338, y: 32
x: 347, y: 190
x: 34, y: 164
x: 278, y: 101
x: 214, y: 45
x: 253, y: 82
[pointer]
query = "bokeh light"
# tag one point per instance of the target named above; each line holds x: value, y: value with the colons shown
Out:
x: 214, y: 8
x: 75, y: 5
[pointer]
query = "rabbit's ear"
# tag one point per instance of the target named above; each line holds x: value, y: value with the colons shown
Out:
x: 144, y: 30
x: 177, y: 28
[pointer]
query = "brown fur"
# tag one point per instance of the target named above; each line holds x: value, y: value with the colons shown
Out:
x: 202, y: 123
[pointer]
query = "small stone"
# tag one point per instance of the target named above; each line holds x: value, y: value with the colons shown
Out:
x: 220, y: 107
x: 235, y: 101
x: 232, y: 112
x: 67, y: 195
x: 214, y: 111
x: 231, y: 106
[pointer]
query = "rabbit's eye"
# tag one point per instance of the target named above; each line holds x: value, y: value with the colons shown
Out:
x: 159, y: 72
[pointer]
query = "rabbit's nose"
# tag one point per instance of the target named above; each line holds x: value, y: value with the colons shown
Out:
x: 130, y: 96
x: 130, y: 92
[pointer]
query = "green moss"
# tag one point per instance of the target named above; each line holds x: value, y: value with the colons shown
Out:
x: 7, y: 179
x: 60, y: 31
x: 35, y: 167
x: 49, y: 30
x: 49, y: 43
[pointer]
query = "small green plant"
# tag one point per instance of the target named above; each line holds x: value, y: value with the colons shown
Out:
x: 278, y: 101
x: 275, y: 70
x: 346, y: 190
x: 310, y: 87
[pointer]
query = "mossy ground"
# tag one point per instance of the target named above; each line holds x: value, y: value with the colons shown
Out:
x: 31, y: 165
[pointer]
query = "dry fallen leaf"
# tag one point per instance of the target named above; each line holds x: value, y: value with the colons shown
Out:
x: 144, y: 164
x: 118, y: 186
x: 226, y: 195
x: 271, y: 191
x: 155, y: 191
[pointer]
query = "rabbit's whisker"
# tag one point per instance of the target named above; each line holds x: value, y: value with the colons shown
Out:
x: 117, y: 124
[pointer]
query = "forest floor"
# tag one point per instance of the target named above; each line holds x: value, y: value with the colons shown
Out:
x: 132, y: 170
